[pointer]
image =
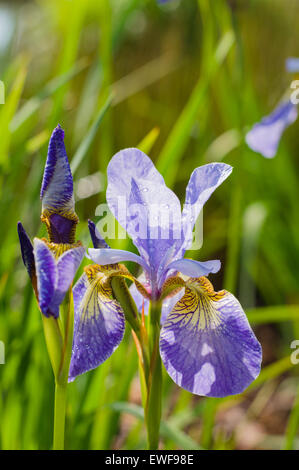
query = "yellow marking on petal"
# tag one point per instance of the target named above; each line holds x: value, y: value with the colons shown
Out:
x: 59, y: 248
x: 207, y: 287
x: 107, y: 271
x: 172, y: 286
x: 98, y: 292
x: 197, y: 309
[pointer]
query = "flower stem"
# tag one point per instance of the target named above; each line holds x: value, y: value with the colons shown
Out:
x: 59, y: 416
x: 154, y: 399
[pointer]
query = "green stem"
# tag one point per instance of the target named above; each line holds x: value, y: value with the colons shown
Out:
x: 59, y: 416
x: 123, y: 296
x: 154, y: 401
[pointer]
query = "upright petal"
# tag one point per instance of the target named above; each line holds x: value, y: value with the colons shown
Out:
x: 46, y: 273
x: 264, y: 137
x: 57, y: 192
x: 142, y: 203
x: 207, y: 345
x: 27, y: 251
x: 97, y: 240
x: 67, y: 266
x: 203, y: 182
x: 99, y: 322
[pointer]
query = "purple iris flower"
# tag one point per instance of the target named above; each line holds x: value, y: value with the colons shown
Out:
x: 265, y: 136
x: 52, y: 264
x: 206, y: 343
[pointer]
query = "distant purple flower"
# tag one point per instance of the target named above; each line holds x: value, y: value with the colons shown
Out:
x: 292, y: 64
x: 206, y: 343
x: 52, y: 264
x: 264, y: 137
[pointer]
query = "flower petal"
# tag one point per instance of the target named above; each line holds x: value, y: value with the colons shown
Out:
x: 207, y: 345
x: 46, y: 273
x: 264, y: 137
x: 99, y: 322
x: 169, y: 303
x: 142, y: 203
x: 58, y: 211
x: 202, y: 183
x: 105, y: 256
x: 27, y: 251
x: 192, y: 268
x: 57, y: 185
x: 292, y: 64
x: 67, y: 267
x: 97, y: 240
x: 143, y: 303
x: 139, y: 299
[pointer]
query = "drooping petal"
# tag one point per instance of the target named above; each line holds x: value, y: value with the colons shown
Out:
x: 97, y: 239
x: 67, y: 266
x: 58, y: 211
x: 264, y: 137
x: 142, y: 203
x: 46, y: 273
x: 105, y: 256
x: 292, y: 64
x: 99, y: 322
x: 27, y: 251
x: 207, y: 345
x: 193, y: 268
x: 202, y: 183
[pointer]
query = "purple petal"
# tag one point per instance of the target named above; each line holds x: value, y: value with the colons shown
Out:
x: 192, y: 268
x: 169, y: 303
x: 137, y: 186
x: 292, y: 64
x: 142, y: 302
x: 99, y: 325
x: 264, y: 137
x: 57, y: 186
x: 27, y: 250
x: 46, y: 273
x: 202, y: 183
x: 67, y: 266
x: 139, y: 299
x: 208, y: 347
x: 105, y: 256
x: 97, y: 240
x: 62, y: 228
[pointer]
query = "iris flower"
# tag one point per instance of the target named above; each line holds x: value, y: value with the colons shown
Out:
x: 265, y: 136
x: 52, y: 264
x: 206, y: 343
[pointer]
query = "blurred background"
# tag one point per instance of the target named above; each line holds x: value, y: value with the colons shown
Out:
x: 183, y: 80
